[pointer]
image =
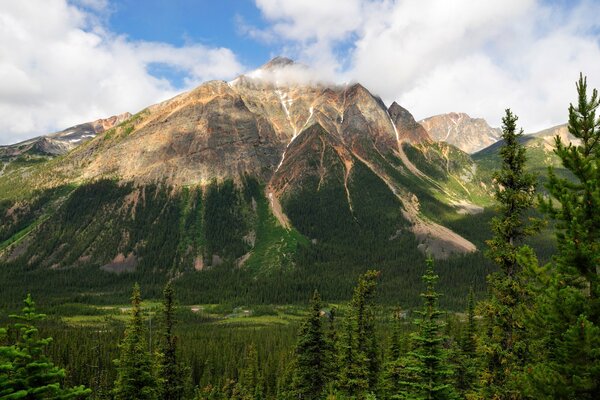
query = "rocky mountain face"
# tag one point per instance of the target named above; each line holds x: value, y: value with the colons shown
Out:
x: 468, y: 134
x: 62, y: 142
x: 245, y: 172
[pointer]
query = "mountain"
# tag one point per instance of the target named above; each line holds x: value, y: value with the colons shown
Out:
x: 468, y: 134
x: 540, y: 150
x: 272, y: 171
x: 62, y: 142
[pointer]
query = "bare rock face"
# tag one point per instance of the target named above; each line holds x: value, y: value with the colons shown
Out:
x: 408, y: 129
x: 468, y: 134
x: 226, y: 130
x: 62, y: 142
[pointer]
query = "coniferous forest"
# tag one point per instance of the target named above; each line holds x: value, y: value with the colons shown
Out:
x: 530, y: 331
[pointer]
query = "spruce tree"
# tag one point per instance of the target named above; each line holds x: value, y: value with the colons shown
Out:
x: 503, y: 348
x: 170, y: 371
x: 578, y: 202
x: 395, y: 366
x: 311, y: 368
x: 428, y: 361
x: 332, y: 359
x: 467, y: 368
x: 25, y: 370
x: 249, y: 385
x: 359, y: 361
x: 135, y: 374
x: 566, y: 318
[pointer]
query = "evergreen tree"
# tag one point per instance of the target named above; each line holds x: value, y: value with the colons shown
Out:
x: 135, y: 375
x: 428, y: 362
x: 359, y: 361
x: 170, y: 371
x: 249, y: 385
x: 467, y: 359
x: 25, y: 371
x: 566, y: 317
x: 332, y: 364
x: 395, y: 367
x: 577, y: 214
x: 503, y: 348
x: 311, y: 369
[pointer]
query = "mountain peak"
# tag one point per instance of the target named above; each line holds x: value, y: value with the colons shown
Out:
x: 278, y: 62
x: 408, y: 128
x: 461, y: 130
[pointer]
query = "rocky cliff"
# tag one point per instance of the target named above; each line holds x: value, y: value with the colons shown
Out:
x: 468, y: 134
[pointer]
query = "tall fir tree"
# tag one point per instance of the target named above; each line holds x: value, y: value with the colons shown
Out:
x: 135, y: 372
x: 566, y: 317
x: 311, y: 355
x: 504, y: 347
x: 25, y: 370
x: 171, y: 372
x: 428, y: 365
x: 359, y: 361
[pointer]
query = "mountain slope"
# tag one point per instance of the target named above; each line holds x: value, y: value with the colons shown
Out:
x: 59, y: 143
x: 466, y: 133
x: 540, y: 151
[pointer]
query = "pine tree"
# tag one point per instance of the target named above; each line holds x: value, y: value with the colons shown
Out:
x: 566, y: 318
x: 428, y: 362
x: 169, y: 369
x: 359, y: 361
x: 311, y: 368
x: 135, y: 375
x: 25, y: 371
x: 503, y: 348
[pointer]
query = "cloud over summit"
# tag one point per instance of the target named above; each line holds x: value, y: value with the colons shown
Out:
x: 59, y: 66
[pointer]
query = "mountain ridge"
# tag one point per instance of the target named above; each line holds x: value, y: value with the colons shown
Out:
x: 292, y: 146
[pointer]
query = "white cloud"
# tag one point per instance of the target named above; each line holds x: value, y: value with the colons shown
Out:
x: 437, y: 56
x: 59, y: 66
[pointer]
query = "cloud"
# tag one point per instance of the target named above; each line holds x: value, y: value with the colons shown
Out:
x: 59, y: 66
x: 437, y: 56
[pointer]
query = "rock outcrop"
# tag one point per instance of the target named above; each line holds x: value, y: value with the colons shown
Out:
x: 468, y: 134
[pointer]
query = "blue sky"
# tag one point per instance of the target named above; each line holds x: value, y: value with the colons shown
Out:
x: 64, y: 62
x: 214, y: 23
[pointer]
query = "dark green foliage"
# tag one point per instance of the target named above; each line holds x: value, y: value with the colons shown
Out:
x: 503, y: 347
x: 565, y: 323
x: 577, y: 216
x: 465, y: 357
x: 395, y: 366
x: 250, y: 378
x: 135, y: 372
x: 170, y: 370
x: 514, y: 192
x: 311, y: 355
x: 358, y: 347
x: 25, y: 370
x: 428, y: 362
x: 224, y: 220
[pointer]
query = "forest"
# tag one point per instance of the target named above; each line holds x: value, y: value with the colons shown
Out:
x: 531, y: 330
